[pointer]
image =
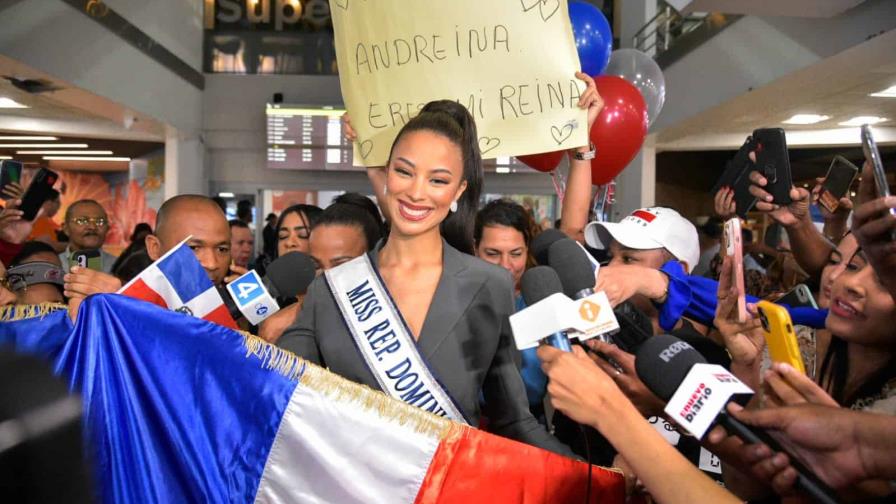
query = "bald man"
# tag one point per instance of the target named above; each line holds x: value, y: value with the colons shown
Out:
x: 199, y: 216
x: 178, y: 218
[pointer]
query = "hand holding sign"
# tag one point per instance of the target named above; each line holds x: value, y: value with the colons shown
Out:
x: 591, y: 101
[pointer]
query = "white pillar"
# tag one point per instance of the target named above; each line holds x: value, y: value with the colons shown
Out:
x: 184, y: 163
x: 636, y: 185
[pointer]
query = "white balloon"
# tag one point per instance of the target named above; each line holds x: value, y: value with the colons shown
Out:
x: 643, y: 72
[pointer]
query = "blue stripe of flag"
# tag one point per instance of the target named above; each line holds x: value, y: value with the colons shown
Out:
x: 185, y: 274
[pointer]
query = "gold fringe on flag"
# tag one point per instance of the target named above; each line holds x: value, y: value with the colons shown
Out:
x: 339, y: 389
x: 273, y: 357
x: 12, y: 313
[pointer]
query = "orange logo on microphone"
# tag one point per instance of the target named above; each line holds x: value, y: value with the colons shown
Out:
x: 589, y: 311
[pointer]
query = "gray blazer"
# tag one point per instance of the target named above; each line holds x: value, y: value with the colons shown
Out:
x: 466, y: 339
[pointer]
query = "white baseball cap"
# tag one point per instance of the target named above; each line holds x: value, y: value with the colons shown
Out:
x: 647, y: 229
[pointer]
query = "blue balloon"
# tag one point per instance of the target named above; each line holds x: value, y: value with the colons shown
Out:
x: 594, y: 39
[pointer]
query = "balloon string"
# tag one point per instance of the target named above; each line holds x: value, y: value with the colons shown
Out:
x: 559, y: 184
x: 601, y: 203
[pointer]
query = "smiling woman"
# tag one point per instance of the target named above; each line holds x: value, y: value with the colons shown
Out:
x: 416, y: 318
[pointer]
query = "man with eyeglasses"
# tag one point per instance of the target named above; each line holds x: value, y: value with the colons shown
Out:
x: 86, y: 225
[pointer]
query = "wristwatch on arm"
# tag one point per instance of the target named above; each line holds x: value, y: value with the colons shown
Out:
x: 586, y: 155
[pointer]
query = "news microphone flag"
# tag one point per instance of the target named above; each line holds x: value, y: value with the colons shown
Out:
x: 181, y: 410
x: 178, y: 282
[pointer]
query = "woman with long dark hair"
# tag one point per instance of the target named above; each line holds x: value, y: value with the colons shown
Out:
x: 294, y: 228
x: 418, y: 318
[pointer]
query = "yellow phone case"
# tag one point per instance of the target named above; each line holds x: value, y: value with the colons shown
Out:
x: 779, y: 335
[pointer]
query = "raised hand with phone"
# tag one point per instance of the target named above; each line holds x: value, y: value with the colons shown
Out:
x: 772, y: 186
x: 874, y: 220
x: 831, y: 194
x: 742, y: 337
x: 13, y: 228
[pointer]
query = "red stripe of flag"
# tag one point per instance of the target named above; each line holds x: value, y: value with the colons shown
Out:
x: 221, y: 316
x: 140, y: 290
x: 475, y: 466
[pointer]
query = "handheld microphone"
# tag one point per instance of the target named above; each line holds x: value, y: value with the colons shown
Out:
x: 542, y: 242
x: 289, y: 276
x: 234, y: 311
x: 251, y: 299
x: 698, y: 395
x: 574, y: 269
x: 538, y: 283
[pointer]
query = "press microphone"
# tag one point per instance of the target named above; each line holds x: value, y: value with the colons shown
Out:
x: 289, y: 276
x: 542, y: 242
x: 538, y: 283
x: 234, y: 311
x: 698, y: 395
x: 568, y: 259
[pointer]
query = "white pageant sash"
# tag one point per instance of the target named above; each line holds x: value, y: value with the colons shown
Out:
x: 384, y: 339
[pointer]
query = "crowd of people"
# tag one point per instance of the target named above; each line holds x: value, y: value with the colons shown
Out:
x: 453, y: 270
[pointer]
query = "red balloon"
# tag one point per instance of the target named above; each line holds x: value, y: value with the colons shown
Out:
x: 619, y: 130
x: 544, y: 162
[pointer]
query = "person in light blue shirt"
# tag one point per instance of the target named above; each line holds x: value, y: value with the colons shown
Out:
x: 502, y: 235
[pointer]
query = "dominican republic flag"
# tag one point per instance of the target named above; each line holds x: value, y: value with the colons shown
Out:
x: 180, y: 410
x: 178, y: 282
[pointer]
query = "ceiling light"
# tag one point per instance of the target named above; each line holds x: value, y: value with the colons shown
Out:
x: 26, y: 137
x: 10, y: 103
x: 502, y: 169
x: 226, y: 195
x: 890, y: 92
x: 75, y: 152
x: 860, y: 120
x: 5, y: 157
x: 44, y: 146
x: 85, y: 158
x: 806, y: 119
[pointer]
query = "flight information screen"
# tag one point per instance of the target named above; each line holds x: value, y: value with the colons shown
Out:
x: 304, y: 137
x: 301, y: 137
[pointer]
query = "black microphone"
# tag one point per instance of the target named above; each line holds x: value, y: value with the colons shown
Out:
x: 542, y: 242
x: 538, y: 283
x: 568, y: 259
x: 234, y: 311
x: 577, y: 275
x: 663, y: 362
x: 289, y: 276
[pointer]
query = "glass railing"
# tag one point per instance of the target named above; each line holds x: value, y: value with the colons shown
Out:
x: 670, y: 34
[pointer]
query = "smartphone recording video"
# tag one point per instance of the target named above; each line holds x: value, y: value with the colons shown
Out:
x: 837, y: 182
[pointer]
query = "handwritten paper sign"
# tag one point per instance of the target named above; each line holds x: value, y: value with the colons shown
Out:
x: 512, y: 63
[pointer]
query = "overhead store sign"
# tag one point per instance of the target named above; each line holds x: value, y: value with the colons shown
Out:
x: 276, y: 15
x: 512, y: 64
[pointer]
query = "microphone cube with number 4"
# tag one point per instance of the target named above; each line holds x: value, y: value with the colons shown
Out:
x: 251, y: 297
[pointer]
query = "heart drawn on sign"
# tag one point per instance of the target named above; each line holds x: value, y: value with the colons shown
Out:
x: 341, y: 3
x: 547, y: 8
x: 562, y: 134
x: 487, y: 144
x: 366, y: 148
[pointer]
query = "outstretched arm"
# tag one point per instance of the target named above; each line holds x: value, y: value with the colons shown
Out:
x: 577, y: 198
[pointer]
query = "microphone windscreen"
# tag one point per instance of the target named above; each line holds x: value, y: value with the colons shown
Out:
x: 291, y: 274
x: 662, y: 363
x: 538, y: 283
x: 542, y: 242
x: 568, y: 259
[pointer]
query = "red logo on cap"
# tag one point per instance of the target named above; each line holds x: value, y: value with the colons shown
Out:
x: 644, y: 215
